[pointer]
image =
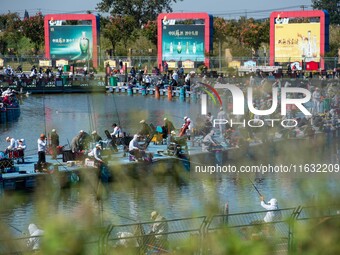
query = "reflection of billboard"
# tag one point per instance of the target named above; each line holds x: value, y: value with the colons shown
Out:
x: 183, y: 42
x: 299, y: 36
x: 71, y: 42
x: 297, y: 42
x: 72, y: 37
x: 184, y: 37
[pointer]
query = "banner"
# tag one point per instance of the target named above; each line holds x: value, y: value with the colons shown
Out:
x: 297, y: 42
x: 72, y: 42
x: 183, y: 42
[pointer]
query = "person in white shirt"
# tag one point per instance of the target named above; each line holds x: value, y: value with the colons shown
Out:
x: 117, y: 132
x: 42, y: 142
x: 96, y: 154
x: 135, y: 148
x: 273, y: 214
x: 35, y: 233
x: 12, y: 144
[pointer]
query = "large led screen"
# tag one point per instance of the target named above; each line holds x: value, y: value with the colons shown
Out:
x: 297, y: 42
x: 183, y: 42
x: 72, y: 42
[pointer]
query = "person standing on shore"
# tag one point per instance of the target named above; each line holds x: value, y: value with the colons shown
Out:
x: 41, y: 150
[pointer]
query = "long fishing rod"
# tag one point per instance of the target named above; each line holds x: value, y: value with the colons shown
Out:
x: 16, y: 229
x: 114, y: 101
x: 89, y: 109
x: 255, y: 188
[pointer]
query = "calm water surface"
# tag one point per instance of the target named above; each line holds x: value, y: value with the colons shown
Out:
x: 69, y: 113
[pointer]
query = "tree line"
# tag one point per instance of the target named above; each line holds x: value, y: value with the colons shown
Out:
x: 130, y: 28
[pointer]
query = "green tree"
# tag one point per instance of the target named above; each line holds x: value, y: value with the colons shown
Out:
x: 118, y: 28
x: 10, y: 33
x: 254, y: 33
x: 141, y: 10
x: 150, y: 31
x: 334, y: 41
x: 33, y: 28
x: 220, y: 35
x: 332, y: 7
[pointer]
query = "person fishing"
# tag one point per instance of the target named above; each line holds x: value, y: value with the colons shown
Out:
x: 160, y: 230
x: 96, y: 154
x: 208, y: 141
x: 35, y: 234
x: 273, y: 214
x: 186, y: 128
x: 54, y: 139
x: 167, y: 129
x: 135, y: 149
x: 95, y: 137
x: 145, y: 130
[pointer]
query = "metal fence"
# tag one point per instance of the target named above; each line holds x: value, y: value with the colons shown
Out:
x: 140, y: 62
x: 195, y: 232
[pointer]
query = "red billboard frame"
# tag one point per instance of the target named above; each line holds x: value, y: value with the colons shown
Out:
x: 91, y: 17
x: 188, y: 15
x: 298, y: 14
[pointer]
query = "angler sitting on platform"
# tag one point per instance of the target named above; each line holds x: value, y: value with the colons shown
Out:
x: 12, y: 144
x: 208, y: 141
x: 20, y: 150
x: 135, y: 149
x: 145, y: 130
x: 96, y: 154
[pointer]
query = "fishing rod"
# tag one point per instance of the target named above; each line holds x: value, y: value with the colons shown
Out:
x: 16, y: 229
x: 255, y: 188
x: 114, y: 101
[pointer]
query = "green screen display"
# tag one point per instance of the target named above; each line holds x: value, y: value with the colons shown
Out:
x: 182, y: 42
x: 71, y: 42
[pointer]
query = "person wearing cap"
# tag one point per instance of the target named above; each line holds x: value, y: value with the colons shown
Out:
x: 84, y: 140
x: 21, y: 146
x: 96, y: 154
x: 12, y: 144
x: 54, y: 143
x: 145, y: 130
x: 95, y: 137
x: 80, y: 141
x: 135, y: 149
x: 273, y: 214
x: 167, y: 129
x: 160, y: 229
x: 42, y: 142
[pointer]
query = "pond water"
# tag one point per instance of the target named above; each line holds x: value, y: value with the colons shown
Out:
x: 194, y: 194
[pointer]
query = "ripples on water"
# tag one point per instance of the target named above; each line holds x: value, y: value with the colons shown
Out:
x: 69, y: 113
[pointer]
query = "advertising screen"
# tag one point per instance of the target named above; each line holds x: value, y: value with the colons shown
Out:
x: 72, y: 42
x: 297, y: 42
x: 182, y: 42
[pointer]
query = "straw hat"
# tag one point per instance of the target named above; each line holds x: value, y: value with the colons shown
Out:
x: 154, y: 215
x: 94, y: 132
x: 165, y: 119
x: 53, y: 130
x: 173, y: 132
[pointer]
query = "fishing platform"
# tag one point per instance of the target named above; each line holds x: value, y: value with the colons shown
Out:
x: 21, y: 175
